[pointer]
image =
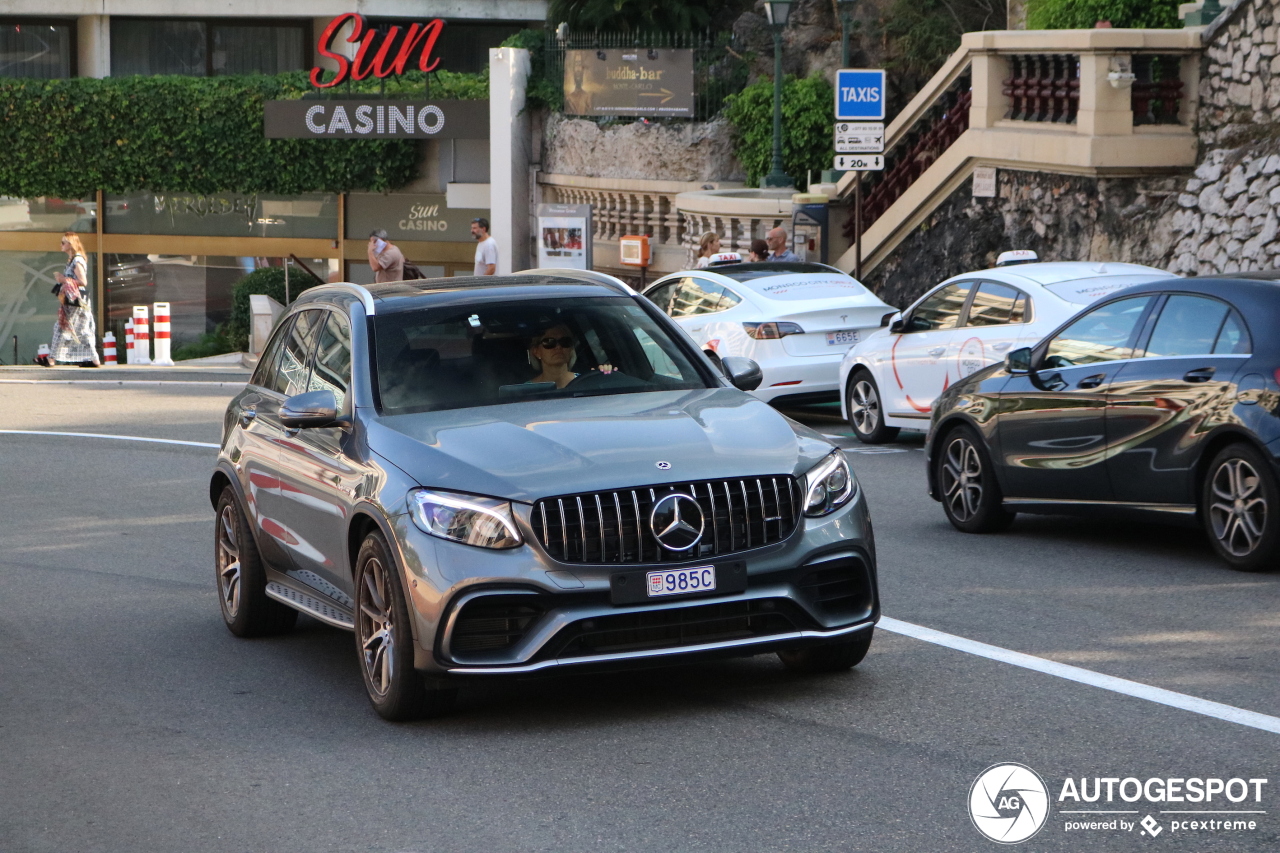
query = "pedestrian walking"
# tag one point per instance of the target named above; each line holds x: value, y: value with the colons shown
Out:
x: 385, y: 257
x: 74, y: 332
x: 777, y: 240
x: 486, y: 249
x: 708, y: 245
x: 759, y: 252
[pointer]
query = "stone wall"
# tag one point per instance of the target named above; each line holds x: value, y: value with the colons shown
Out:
x: 686, y: 151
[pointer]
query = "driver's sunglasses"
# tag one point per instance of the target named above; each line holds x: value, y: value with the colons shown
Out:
x: 551, y: 343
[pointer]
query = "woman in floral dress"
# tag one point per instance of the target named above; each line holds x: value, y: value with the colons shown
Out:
x: 74, y: 332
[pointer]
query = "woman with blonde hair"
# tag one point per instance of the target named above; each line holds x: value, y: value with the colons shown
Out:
x: 74, y: 332
x: 708, y: 245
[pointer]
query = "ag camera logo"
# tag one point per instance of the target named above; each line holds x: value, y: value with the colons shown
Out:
x: 1009, y: 803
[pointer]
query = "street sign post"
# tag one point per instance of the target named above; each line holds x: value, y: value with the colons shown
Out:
x: 859, y: 137
x: 860, y: 162
x: 860, y: 94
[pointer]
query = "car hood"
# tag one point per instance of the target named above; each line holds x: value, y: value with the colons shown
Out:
x: 528, y: 450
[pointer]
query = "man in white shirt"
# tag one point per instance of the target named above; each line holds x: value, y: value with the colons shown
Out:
x: 486, y: 250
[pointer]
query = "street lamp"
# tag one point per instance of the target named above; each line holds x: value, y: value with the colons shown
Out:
x: 777, y: 12
x: 846, y: 24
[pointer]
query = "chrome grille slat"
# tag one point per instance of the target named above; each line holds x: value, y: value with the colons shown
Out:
x: 587, y: 539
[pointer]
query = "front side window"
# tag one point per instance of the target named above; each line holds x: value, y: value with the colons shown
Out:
x: 940, y: 310
x: 997, y: 305
x: 332, y: 371
x: 295, y: 360
x: 487, y: 353
x: 267, y: 373
x: 1104, y: 334
x: 1188, y: 325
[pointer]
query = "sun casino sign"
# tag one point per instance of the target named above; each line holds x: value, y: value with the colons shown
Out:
x: 380, y: 55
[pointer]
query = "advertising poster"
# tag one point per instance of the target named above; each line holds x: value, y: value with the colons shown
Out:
x: 629, y: 82
x: 564, y: 236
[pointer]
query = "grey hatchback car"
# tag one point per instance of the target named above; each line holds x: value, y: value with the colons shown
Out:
x: 528, y: 474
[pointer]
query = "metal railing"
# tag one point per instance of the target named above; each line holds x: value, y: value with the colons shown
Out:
x: 719, y: 67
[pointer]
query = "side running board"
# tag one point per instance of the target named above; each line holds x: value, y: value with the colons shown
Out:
x: 317, y: 608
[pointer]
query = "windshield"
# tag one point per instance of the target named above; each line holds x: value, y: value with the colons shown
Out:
x: 485, y: 353
x: 1083, y: 291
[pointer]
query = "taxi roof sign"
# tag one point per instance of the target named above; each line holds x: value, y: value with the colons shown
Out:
x: 722, y: 258
x: 1017, y: 256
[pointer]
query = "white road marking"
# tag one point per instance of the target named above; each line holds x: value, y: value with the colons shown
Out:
x: 122, y: 382
x: 1159, y: 695
x: 100, y: 435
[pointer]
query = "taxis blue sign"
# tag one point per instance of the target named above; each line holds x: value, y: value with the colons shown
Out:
x: 860, y: 94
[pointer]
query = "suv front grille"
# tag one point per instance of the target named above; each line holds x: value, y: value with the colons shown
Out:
x: 613, y: 527
x: 682, y: 626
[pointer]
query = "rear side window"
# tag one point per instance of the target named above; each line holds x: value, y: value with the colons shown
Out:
x: 997, y: 305
x: 1188, y: 325
x: 940, y: 310
x: 295, y: 360
x: 1233, y: 338
x: 697, y: 296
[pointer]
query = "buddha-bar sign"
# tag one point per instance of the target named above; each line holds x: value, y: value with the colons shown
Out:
x: 381, y: 54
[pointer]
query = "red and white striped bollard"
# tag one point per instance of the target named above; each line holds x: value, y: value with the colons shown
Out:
x: 128, y: 341
x: 141, y: 335
x: 160, y: 310
x: 109, y: 348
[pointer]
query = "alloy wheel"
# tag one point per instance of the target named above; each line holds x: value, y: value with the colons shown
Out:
x: 1238, y: 512
x: 377, y: 632
x: 962, y: 479
x: 229, y: 575
x: 864, y: 407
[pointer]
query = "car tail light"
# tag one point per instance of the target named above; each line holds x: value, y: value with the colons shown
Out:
x: 771, y: 331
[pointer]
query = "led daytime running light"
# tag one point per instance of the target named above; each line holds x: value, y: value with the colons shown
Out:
x: 829, y: 485
x: 471, y: 520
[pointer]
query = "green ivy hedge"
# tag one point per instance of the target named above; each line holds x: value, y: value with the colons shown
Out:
x: 1083, y: 14
x: 68, y: 138
x: 806, y: 127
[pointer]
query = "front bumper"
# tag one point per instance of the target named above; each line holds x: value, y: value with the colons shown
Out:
x: 520, y: 612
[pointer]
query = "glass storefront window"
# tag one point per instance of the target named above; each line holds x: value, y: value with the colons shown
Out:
x: 198, y: 288
x: 257, y: 49
x: 314, y: 215
x: 28, y: 307
x: 40, y: 50
x: 148, y: 46
x: 48, y: 214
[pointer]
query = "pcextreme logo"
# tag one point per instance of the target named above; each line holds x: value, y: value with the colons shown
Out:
x: 1009, y: 803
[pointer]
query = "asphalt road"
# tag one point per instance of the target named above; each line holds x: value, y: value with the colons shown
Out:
x: 131, y: 720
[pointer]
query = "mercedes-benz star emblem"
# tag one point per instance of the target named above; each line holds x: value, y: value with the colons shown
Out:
x: 677, y: 522
x: 663, y: 466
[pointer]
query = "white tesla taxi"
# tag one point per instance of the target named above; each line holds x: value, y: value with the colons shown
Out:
x: 795, y: 320
x: 890, y: 379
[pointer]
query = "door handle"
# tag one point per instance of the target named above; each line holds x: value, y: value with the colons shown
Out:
x: 937, y: 351
x: 1200, y: 374
x: 247, y: 416
x: 1092, y: 381
x: 1002, y: 346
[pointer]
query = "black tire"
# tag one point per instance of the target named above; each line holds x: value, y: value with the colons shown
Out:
x: 864, y: 410
x: 835, y: 656
x: 966, y: 480
x: 384, y: 641
x: 241, y: 577
x: 1240, y: 508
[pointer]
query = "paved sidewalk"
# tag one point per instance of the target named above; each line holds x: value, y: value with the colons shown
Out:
x: 130, y: 374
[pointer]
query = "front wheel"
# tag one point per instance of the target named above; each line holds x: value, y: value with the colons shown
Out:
x: 1241, y: 509
x: 971, y: 496
x: 866, y: 414
x: 384, y: 640
x: 836, y: 656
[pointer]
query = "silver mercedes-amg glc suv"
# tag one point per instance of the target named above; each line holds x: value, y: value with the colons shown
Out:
x: 526, y: 474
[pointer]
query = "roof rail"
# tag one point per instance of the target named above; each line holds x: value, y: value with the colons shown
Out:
x: 583, y: 275
x: 361, y: 293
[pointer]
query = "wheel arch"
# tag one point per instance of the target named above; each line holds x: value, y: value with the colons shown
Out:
x: 364, y: 520
x: 938, y: 434
x: 1215, y: 445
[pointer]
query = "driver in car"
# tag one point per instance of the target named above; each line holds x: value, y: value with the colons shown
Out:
x: 554, y: 350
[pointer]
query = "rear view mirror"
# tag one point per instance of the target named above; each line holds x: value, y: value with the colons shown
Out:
x: 1018, y: 361
x: 897, y: 324
x: 312, y: 409
x: 888, y: 318
x: 742, y: 372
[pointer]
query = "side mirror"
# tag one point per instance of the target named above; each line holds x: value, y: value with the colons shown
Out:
x: 1018, y: 361
x: 312, y: 409
x: 742, y: 372
x: 898, y: 324
x: 888, y: 318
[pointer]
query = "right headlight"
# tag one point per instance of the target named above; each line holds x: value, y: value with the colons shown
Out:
x: 468, y: 519
x: 829, y: 485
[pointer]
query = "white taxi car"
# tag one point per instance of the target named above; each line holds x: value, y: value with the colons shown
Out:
x: 795, y: 320
x: 889, y: 380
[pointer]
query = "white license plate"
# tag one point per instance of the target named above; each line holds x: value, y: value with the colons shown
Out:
x: 677, y: 581
x: 844, y: 337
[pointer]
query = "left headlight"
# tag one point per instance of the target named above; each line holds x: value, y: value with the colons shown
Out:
x: 829, y: 485
x: 468, y: 519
